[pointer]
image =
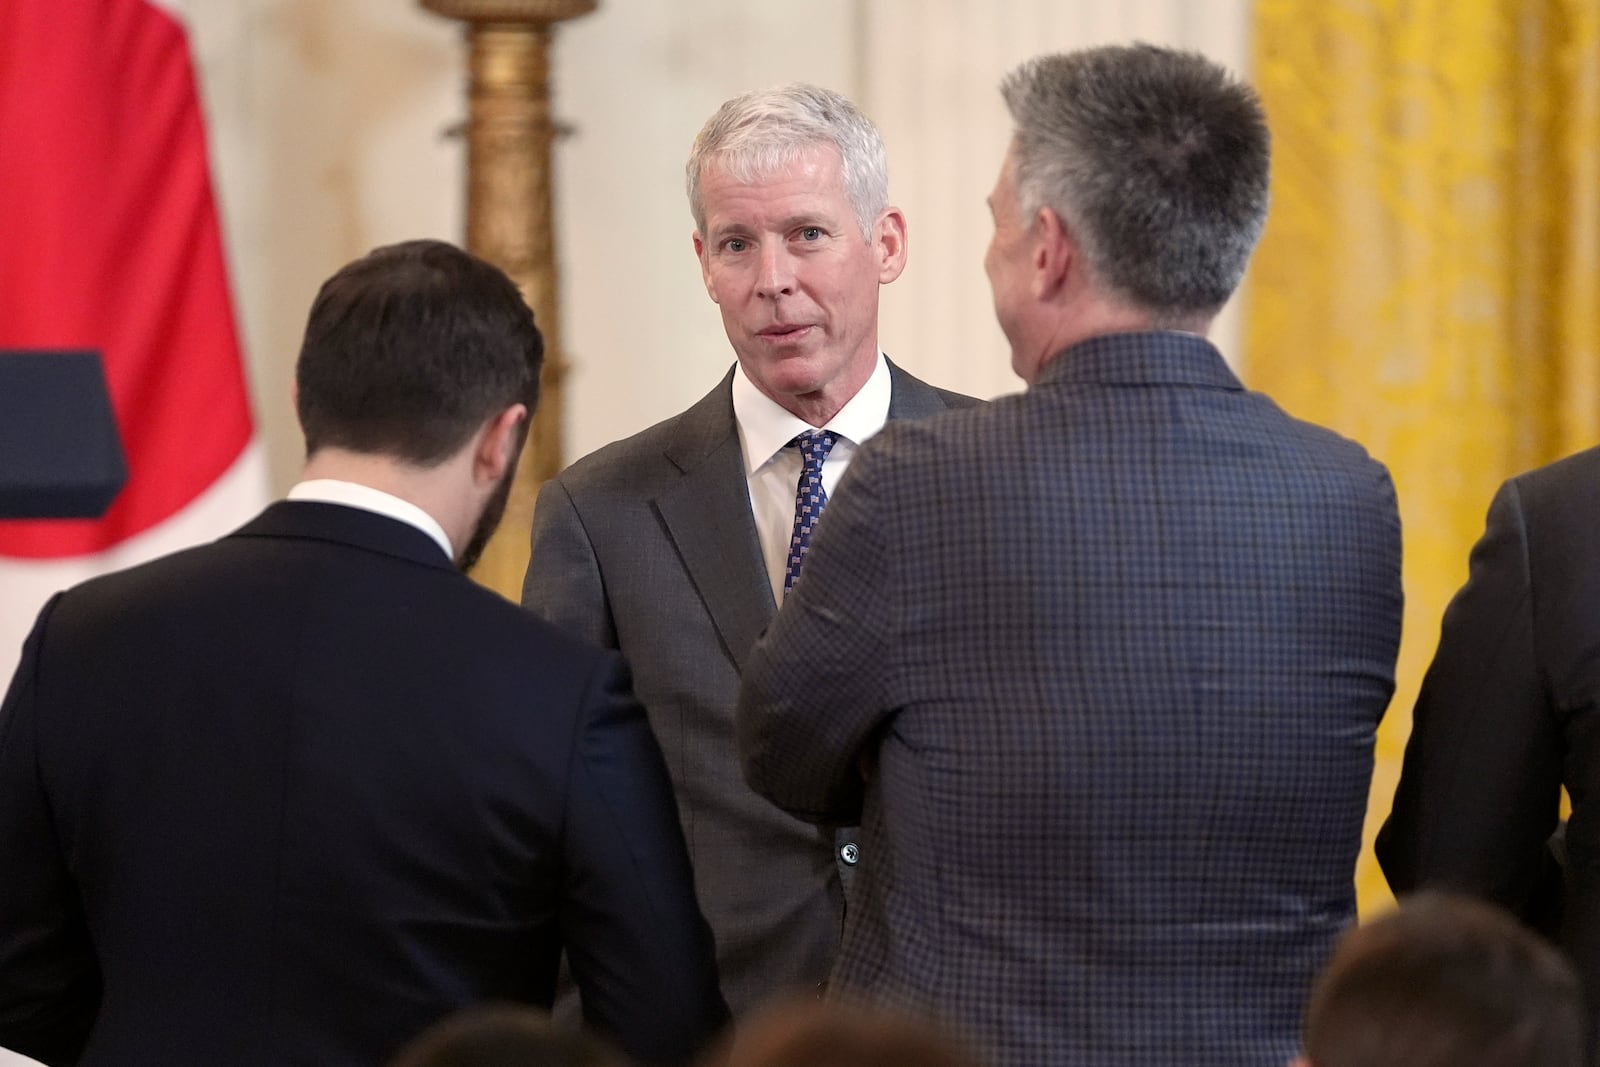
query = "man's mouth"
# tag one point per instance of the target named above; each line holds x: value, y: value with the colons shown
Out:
x: 785, y: 331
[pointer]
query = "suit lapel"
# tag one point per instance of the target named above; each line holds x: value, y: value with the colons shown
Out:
x: 707, y: 512
x: 912, y: 398
x: 707, y: 518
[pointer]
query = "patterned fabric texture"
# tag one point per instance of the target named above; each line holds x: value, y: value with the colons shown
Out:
x: 1113, y: 653
x: 809, y: 498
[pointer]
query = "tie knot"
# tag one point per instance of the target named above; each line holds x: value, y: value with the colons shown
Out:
x: 814, y: 446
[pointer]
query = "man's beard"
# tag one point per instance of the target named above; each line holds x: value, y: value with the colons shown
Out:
x: 493, y: 510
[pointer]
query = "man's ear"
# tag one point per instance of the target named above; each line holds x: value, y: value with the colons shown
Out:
x: 889, y: 241
x: 498, y: 444
x: 703, y: 256
x: 1055, y: 253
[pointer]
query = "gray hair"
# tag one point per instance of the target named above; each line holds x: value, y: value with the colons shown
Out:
x: 759, y: 132
x: 1157, y: 162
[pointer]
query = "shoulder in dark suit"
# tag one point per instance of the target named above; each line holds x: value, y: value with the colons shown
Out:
x: 648, y: 546
x: 290, y: 797
x: 1507, y: 715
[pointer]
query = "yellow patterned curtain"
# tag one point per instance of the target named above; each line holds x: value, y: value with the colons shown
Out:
x: 1429, y: 280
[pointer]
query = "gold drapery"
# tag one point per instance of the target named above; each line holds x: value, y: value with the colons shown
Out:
x: 1429, y: 280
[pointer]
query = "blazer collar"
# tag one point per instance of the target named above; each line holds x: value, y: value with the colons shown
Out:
x: 912, y: 398
x: 319, y: 521
x: 706, y: 512
x: 704, y: 427
x: 1155, y: 358
x: 701, y: 429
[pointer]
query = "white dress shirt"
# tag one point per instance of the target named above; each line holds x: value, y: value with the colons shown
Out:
x: 355, y: 495
x: 772, y: 471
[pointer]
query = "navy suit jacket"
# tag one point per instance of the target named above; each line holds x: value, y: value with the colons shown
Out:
x: 1099, y: 667
x: 293, y: 796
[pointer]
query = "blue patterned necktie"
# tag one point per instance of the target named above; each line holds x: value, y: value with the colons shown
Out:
x: 809, y: 497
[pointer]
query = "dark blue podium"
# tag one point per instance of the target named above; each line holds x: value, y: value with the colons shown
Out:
x: 60, y: 455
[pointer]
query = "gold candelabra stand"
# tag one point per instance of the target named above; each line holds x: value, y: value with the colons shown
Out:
x: 510, y: 220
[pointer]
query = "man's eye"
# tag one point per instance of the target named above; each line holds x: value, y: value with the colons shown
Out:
x: 734, y: 244
x: 811, y: 233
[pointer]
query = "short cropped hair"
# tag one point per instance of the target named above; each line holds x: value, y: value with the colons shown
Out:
x: 756, y: 133
x: 834, y: 1033
x: 1445, y: 982
x: 1156, y: 160
x: 504, y: 1035
x: 410, y: 349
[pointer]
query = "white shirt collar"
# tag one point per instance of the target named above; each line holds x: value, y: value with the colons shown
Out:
x: 356, y: 495
x: 765, y: 428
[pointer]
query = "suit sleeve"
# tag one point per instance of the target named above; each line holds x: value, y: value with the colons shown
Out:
x: 49, y: 981
x: 640, y: 951
x: 563, y: 583
x: 1480, y: 786
x: 817, y: 688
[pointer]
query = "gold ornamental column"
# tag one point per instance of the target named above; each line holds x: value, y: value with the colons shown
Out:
x: 509, y: 219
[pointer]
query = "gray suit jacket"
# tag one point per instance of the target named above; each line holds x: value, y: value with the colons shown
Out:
x: 648, y: 546
x: 1117, y: 648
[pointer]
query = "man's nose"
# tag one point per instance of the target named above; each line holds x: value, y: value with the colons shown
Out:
x: 776, y: 274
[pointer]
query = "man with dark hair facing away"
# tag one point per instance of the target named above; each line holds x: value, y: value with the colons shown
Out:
x: 289, y: 797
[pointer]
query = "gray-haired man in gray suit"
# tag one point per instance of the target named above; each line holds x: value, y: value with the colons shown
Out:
x: 676, y: 545
x: 1098, y: 667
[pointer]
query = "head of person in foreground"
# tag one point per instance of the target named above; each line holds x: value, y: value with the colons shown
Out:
x: 1445, y: 981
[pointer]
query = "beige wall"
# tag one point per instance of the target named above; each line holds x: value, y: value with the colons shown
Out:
x: 329, y: 126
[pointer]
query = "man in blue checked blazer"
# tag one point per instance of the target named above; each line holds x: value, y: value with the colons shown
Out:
x: 1098, y: 667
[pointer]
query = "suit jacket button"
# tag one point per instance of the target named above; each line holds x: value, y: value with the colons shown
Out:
x: 849, y: 853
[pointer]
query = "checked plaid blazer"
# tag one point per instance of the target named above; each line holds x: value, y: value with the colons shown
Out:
x: 1098, y: 667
